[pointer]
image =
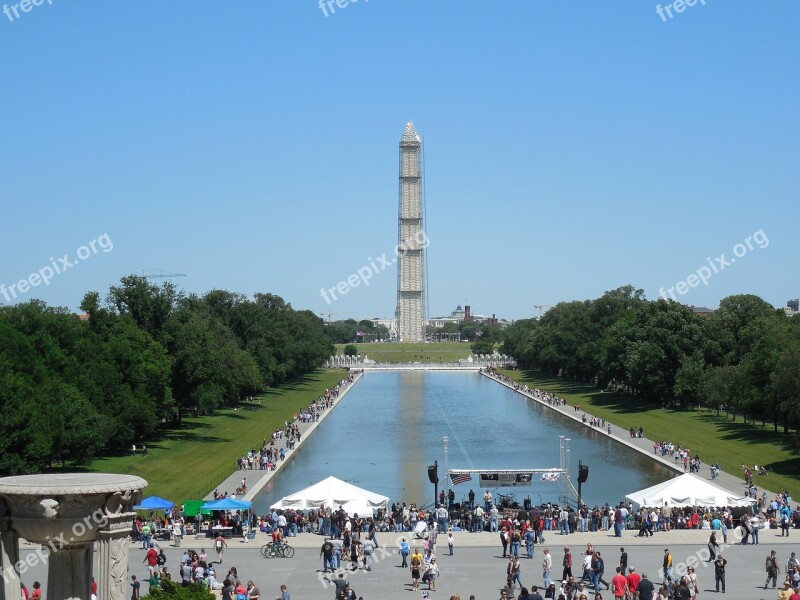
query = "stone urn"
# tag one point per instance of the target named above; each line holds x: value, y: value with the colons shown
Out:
x: 67, y: 513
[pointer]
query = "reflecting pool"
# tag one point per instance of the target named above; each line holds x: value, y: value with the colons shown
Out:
x: 389, y: 428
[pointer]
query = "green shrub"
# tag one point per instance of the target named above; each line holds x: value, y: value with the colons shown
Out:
x: 169, y: 590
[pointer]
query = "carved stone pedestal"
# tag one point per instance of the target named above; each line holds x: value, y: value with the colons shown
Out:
x: 66, y: 514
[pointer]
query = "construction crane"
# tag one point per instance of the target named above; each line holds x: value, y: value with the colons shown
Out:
x: 541, y: 308
x: 330, y: 314
x: 161, y: 274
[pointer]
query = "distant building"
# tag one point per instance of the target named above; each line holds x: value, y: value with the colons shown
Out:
x: 793, y: 306
x: 702, y: 311
x: 390, y: 324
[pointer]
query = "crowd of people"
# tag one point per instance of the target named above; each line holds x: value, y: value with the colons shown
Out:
x: 197, y: 568
x: 267, y: 456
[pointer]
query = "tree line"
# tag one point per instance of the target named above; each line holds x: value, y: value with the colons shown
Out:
x: 148, y: 355
x: 743, y: 358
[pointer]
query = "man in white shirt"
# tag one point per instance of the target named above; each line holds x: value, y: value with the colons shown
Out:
x: 563, y: 521
x: 547, y: 564
x: 282, y: 523
x: 477, y: 523
x: 441, y: 517
x: 587, y: 567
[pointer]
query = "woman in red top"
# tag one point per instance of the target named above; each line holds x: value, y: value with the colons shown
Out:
x: 37, y: 591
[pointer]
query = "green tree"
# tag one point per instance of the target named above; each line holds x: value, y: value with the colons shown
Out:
x: 481, y: 346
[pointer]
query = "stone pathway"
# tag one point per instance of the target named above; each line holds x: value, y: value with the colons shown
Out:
x: 732, y: 483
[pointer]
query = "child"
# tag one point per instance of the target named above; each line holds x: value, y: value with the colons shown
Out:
x: 450, y: 542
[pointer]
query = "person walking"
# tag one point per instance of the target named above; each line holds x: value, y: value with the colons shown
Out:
x: 712, y: 547
x: 567, y: 564
x: 693, y: 583
x: 619, y: 585
x: 515, y: 541
x: 450, y: 542
x: 404, y: 552
x: 136, y: 588
x: 786, y: 519
x: 416, y: 564
x: 598, y: 568
x: 513, y: 571
x: 368, y: 546
x: 326, y: 554
x: 530, y: 542
x: 219, y: 545
x: 339, y: 585
x: 623, y: 561
x: 563, y: 521
x: 719, y: 572
x: 645, y: 590
x: 772, y: 568
x: 433, y: 573
x: 667, y: 566
x: 284, y: 593
x: 633, y: 580
x: 547, y: 565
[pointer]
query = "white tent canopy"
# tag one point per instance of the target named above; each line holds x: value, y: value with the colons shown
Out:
x: 686, y: 490
x: 334, y: 493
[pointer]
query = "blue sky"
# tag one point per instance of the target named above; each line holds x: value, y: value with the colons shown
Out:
x: 570, y: 147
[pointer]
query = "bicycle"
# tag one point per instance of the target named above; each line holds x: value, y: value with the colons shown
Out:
x: 280, y: 550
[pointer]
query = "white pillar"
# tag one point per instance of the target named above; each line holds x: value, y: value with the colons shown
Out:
x: 9, y: 553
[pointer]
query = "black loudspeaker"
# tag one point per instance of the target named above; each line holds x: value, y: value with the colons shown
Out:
x: 433, y: 474
x: 583, y: 473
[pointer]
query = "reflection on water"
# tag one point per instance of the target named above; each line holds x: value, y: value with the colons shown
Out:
x: 389, y: 428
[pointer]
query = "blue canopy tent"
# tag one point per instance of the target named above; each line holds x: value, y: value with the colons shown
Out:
x: 154, y: 503
x: 227, y: 504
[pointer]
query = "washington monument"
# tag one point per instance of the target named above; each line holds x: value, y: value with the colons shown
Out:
x: 411, y: 239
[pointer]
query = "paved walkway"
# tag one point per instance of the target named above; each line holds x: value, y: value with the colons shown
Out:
x: 732, y: 483
x: 478, y: 570
x: 257, y: 478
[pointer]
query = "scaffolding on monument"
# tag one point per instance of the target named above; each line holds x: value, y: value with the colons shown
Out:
x: 411, y: 311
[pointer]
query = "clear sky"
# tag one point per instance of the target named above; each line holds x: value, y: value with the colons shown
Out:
x: 570, y: 147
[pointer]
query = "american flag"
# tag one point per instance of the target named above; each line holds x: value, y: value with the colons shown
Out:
x: 463, y: 478
x: 360, y: 333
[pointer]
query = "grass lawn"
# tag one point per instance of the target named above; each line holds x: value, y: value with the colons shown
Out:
x: 713, y: 438
x: 434, y: 352
x: 191, y: 461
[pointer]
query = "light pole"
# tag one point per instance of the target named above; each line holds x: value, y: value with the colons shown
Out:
x: 445, y: 440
